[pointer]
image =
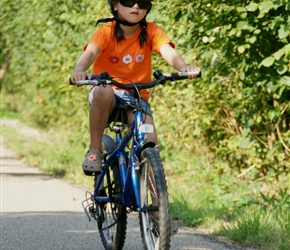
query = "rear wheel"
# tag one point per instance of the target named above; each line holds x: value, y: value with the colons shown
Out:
x: 112, y: 216
x: 154, y: 219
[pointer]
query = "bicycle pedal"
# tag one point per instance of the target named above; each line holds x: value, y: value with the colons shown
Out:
x: 93, y: 212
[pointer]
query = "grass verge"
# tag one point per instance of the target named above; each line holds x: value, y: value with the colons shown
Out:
x: 240, y: 209
x: 252, y: 212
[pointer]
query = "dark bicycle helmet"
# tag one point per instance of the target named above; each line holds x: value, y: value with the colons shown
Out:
x: 116, y: 16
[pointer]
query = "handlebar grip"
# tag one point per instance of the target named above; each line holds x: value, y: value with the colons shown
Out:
x: 186, y: 74
x: 71, y: 83
x: 181, y: 75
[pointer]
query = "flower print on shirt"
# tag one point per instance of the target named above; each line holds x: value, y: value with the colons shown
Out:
x: 139, y: 58
x: 127, y: 59
x: 114, y: 59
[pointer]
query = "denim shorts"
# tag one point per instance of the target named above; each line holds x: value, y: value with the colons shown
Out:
x: 125, y: 98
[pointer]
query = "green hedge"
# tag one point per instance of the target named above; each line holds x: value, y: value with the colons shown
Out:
x: 238, y: 113
x: 241, y: 107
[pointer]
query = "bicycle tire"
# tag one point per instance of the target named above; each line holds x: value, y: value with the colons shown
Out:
x: 155, y: 234
x: 113, y: 213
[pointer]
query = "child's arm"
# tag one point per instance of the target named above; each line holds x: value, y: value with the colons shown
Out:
x: 174, y: 59
x: 85, y: 61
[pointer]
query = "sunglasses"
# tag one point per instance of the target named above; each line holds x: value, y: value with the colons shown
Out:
x: 145, y: 4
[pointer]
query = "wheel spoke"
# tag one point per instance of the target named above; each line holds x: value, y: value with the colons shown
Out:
x: 112, y: 227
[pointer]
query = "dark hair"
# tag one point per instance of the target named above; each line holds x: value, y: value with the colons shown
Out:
x: 119, y: 33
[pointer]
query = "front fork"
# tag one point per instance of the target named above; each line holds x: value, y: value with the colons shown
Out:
x: 135, y: 166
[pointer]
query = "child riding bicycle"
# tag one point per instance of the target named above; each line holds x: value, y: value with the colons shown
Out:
x: 122, y: 47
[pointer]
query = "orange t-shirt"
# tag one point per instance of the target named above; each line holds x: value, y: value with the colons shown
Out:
x: 127, y: 58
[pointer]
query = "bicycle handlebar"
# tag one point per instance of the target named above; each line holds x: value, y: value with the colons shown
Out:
x: 105, y: 79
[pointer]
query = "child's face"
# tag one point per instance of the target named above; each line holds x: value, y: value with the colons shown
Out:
x: 130, y: 14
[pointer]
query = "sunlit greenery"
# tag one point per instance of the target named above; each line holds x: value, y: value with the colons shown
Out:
x: 224, y: 138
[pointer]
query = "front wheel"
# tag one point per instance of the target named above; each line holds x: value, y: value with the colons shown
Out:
x: 112, y: 216
x: 154, y: 217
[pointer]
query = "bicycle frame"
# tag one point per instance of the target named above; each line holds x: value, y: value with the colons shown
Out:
x: 129, y: 175
x: 142, y: 167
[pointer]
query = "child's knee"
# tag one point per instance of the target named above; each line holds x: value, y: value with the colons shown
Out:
x: 101, y: 93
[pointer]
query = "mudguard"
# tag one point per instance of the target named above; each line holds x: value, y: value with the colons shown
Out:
x: 108, y: 144
x: 147, y: 145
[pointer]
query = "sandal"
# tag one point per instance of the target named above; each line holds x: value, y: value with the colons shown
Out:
x: 93, y: 162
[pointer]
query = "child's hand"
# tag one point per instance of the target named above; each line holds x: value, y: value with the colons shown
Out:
x: 191, y: 68
x: 79, y: 75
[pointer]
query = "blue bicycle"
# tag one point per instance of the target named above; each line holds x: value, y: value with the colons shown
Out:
x: 132, y: 177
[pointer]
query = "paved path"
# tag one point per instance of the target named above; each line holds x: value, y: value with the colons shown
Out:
x: 41, y: 212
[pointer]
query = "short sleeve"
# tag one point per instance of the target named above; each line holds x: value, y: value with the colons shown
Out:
x: 100, y: 37
x: 157, y: 37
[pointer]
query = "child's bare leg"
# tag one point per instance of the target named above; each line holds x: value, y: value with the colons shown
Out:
x: 102, y: 104
x: 151, y: 137
x: 148, y: 120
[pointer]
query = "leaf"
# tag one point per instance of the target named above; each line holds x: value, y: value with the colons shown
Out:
x: 252, y: 6
x: 257, y: 31
x: 205, y: 39
x: 267, y: 62
x: 252, y: 39
x: 269, y: 87
x: 244, y: 15
x: 283, y: 31
x: 244, y: 25
x: 272, y: 115
x: 282, y: 69
x: 250, y: 122
x: 245, y: 142
x: 242, y: 75
x: 285, y: 80
x: 245, y: 131
x: 276, y: 22
x: 240, y: 9
x: 241, y: 49
x: 211, y: 39
x: 287, y: 50
x: 265, y: 6
x: 214, y: 60
x: 232, y: 32
x: 278, y: 54
x: 258, y: 119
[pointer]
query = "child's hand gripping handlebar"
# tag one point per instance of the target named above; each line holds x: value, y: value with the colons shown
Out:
x: 105, y: 79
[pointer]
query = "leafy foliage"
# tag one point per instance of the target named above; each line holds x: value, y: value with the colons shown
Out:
x: 238, y: 111
x: 241, y: 107
x: 45, y: 39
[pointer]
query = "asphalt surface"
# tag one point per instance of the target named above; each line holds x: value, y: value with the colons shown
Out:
x: 41, y: 212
